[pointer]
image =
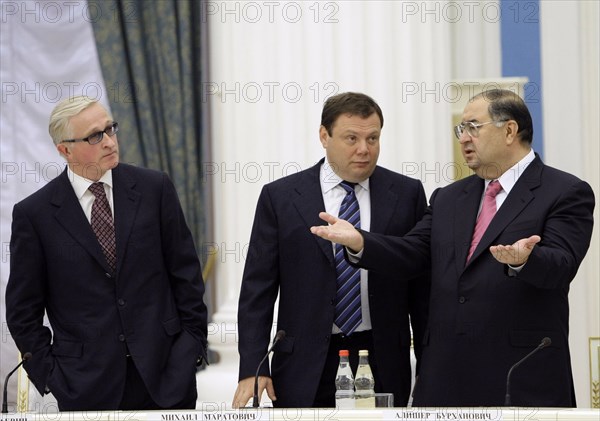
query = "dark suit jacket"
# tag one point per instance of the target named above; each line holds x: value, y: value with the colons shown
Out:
x: 482, y: 320
x: 152, y: 308
x: 285, y: 258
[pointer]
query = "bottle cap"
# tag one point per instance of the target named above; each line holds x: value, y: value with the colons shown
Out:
x: 363, y: 353
x: 344, y: 353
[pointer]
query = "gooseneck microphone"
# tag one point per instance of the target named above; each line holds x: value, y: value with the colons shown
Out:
x: 26, y: 356
x: 545, y: 342
x: 278, y: 336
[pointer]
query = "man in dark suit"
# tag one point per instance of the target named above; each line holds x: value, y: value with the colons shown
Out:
x: 285, y: 258
x: 124, y: 295
x: 490, y: 308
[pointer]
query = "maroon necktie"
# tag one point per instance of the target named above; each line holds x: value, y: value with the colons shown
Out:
x: 488, y: 210
x: 102, y: 224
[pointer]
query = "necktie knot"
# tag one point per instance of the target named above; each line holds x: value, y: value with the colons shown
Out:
x: 349, y: 209
x: 97, y: 189
x: 348, y: 186
x: 493, y: 189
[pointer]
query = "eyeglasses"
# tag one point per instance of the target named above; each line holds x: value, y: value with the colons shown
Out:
x: 471, y: 128
x: 97, y: 137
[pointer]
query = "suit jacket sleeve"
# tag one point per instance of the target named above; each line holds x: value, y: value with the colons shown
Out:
x: 182, y: 264
x: 418, y: 293
x: 25, y: 298
x: 408, y: 255
x: 260, y: 285
x: 554, y: 261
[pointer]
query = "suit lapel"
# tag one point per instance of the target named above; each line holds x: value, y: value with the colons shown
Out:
x: 126, y: 201
x: 465, y: 215
x: 519, y: 197
x: 307, y: 197
x: 71, y: 217
x: 383, y: 201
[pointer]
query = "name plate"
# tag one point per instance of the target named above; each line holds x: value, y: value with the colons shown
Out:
x: 466, y: 414
x: 15, y: 417
x: 258, y: 414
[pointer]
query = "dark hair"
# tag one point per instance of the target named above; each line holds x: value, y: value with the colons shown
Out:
x: 507, y: 105
x: 348, y: 103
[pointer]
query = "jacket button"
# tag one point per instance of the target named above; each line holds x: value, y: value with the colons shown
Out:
x: 121, y: 302
x: 462, y: 300
x: 122, y: 338
x: 108, y: 275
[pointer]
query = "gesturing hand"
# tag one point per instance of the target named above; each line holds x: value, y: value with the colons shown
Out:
x: 517, y: 253
x: 339, y: 231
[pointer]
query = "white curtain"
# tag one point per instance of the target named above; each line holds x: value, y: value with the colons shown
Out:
x: 48, y: 53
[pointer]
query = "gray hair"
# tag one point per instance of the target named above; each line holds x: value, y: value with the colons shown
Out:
x: 59, y: 126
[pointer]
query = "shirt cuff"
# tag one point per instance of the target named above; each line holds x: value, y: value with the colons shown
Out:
x: 354, y: 257
x: 514, y: 270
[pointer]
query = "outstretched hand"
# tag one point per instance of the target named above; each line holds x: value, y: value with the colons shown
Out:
x: 517, y: 253
x: 339, y: 231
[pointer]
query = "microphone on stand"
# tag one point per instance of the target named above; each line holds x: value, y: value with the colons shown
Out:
x: 26, y: 357
x: 279, y: 336
x: 545, y: 342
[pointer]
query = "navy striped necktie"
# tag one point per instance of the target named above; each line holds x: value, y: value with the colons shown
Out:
x: 347, y: 300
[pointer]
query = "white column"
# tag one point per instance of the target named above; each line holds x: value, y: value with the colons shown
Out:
x: 475, y: 45
x: 571, y: 131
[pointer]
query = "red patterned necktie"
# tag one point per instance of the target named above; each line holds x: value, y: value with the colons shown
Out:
x: 488, y: 210
x: 102, y: 224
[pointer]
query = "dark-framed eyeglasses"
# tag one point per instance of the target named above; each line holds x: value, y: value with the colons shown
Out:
x: 471, y: 128
x: 97, y: 137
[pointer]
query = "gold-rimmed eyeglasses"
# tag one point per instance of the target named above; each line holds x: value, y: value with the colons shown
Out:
x: 471, y: 128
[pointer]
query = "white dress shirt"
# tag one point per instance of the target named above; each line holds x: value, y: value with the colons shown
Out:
x: 86, y: 197
x: 508, y: 180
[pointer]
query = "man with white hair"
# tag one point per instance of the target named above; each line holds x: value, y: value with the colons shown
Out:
x: 105, y: 252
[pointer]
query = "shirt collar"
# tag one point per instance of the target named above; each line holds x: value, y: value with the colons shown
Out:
x: 329, y: 179
x: 509, y: 178
x: 81, y: 184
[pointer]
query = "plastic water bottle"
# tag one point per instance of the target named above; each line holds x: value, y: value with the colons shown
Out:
x: 344, y: 383
x: 364, y: 397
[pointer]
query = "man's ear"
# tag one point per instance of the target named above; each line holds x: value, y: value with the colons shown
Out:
x: 324, y: 136
x: 512, y: 128
x: 63, y: 149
